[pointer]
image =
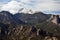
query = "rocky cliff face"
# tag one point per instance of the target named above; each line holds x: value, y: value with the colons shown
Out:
x: 55, y: 19
x: 24, y: 32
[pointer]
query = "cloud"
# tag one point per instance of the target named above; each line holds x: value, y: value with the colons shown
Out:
x: 12, y: 6
x: 47, y: 5
x: 25, y: 1
x: 37, y: 5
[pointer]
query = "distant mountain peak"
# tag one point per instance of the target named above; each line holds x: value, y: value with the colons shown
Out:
x: 26, y: 11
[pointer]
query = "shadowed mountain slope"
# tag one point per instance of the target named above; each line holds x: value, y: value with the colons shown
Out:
x: 35, y: 18
x: 8, y: 18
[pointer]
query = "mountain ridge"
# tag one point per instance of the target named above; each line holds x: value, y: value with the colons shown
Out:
x: 37, y: 17
x: 7, y: 17
x: 28, y: 26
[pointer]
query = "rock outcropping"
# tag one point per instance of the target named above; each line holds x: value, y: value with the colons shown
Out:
x: 55, y: 19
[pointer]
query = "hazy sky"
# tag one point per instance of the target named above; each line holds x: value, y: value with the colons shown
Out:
x: 47, y: 6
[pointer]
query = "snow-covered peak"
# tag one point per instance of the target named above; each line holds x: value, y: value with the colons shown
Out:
x: 14, y: 7
x: 26, y: 11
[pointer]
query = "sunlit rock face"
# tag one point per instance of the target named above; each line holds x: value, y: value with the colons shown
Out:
x: 55, y: 19
x: 50, y: 38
